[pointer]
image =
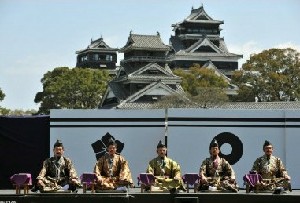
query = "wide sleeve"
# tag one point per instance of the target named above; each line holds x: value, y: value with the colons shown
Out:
x: 43, y: 171
x: 72, y: 173
x: 98, y: 167
x: 150, y: 168
x: 202, y: 170
x: 283, y: 172
x: 176, y: 171
x: 255, y: 166
x: 229, y: 170
x: 125, y: 173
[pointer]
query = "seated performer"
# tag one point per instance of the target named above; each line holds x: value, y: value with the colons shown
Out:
x: 272, y: 170
x: 166, y: 171
x: 216, y: 172
x: 57, y: 172
x: 112, y: 170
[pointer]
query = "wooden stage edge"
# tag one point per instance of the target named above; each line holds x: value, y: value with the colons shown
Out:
x: 134, y: 196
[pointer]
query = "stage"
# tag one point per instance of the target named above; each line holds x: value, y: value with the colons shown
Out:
x: 135, y: 196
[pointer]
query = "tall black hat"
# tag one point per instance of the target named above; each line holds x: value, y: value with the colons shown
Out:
x: 213, y: 143
x: 58, y: 143
x: 160, y: 144
x: 267, y: 143
x: 111, y: 141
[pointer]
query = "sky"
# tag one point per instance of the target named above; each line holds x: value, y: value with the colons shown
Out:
x: 37, y: 36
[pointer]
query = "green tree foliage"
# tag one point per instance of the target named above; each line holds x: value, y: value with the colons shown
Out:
x: 76, y: 88
x: 199, y: 77
x: 3, y: 111
x: 203, y: 85
x: 272, y: 75
x: 17, y: 112
x: 2, y: 95
x: 208, y: 97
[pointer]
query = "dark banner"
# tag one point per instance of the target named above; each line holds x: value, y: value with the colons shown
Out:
x: 24, y: 144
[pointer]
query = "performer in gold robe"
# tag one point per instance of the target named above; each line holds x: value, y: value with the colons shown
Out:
x: 112, y: 170
x: 216, y: 172
x: 57, y: 172
x: 166, y: 171
x: 272, y: 170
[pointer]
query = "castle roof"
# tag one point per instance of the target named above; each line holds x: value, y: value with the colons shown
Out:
x: 97, y: 45
x: 144, y: 42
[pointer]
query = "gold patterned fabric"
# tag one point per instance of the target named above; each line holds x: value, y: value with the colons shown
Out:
x: 219, y: 174
x: 56, y: 173
x: 114, y: 172
x: 167, y: 173
x: 272, y: 171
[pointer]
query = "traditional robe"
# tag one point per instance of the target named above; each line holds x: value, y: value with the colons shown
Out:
x: 165, y: 171
x: 56, y: 173
x: 114, y: 172
x: 272, y: 171
x: 219, y: 173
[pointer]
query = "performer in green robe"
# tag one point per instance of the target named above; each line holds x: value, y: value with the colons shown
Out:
x: 112, y: 170
x: 272, y: 170
x: 166, y: 171
x: 57, y: 172
x: 216, y: 172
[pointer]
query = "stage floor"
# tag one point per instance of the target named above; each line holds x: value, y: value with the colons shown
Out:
x: 135, y: 196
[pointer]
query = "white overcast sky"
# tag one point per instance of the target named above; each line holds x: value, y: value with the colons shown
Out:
x: 38, y: 35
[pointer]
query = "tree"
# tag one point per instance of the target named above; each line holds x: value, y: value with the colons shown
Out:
x: 2, y: 95
x: 204, y: 87
x: 208, y: 97
x: 3, y: 111
x: 76, y: 88
x: 272, y: 75
x: 17, y: 112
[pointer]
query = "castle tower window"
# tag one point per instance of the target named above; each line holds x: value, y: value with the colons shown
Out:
x: 84, y: 58
x: 95, y: 57
x: 108, y: 58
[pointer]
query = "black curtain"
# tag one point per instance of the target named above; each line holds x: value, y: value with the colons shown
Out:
x: 24, y: 144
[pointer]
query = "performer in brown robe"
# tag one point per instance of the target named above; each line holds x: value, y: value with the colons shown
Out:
x: 167, y: 172
x: 112, y: 170
x: 217, y: 172
x: 57, y: 172
x: 272, y: 170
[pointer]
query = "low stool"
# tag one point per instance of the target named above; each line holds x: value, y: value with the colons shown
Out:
x: 21, y: 180
x: 88, y: 180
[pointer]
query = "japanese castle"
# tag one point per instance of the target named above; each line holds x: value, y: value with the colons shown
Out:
x: 145, y: 74
x: 197, y: 40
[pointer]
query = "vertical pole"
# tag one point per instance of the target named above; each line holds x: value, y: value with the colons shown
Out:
x: 166, y: 127
x: 285, y: 142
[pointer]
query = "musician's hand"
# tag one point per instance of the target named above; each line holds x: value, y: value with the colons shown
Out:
x: 232, y: 180
x: 203, y: 179
x: 40, y: 183
x: 74, y: 180
x: 99, y: 179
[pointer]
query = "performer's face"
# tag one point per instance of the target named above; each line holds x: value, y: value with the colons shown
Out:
x: 58, y: 151
x: 268, y: 150
x: 112, y: 149
x: 214, y: 151
x: 162, y: 151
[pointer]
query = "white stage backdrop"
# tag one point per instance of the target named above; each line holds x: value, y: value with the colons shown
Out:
x: 241, y: 134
